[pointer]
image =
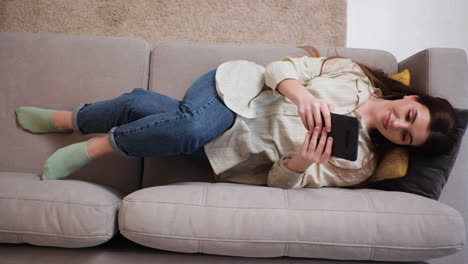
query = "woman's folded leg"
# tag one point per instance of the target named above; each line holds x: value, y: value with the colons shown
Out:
x: 200, y: 118
x: 185, y: 129
x: 101, y: 117
x: 170, y: 134
x: 98, y: 117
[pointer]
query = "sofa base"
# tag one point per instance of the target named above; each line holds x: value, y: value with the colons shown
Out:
x: 120, y: 250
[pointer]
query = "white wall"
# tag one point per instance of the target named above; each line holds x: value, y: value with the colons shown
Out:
x: 405, y: 27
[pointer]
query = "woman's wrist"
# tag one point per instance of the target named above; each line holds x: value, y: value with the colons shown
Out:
x: 297, y: 164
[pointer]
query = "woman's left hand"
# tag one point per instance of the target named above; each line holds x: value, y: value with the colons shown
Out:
x: 314, y: 112
x: 309, y: 108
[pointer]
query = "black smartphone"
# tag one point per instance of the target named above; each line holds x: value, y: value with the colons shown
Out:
x: 345, y: 134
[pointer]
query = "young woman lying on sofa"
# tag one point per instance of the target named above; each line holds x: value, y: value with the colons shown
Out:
x: 257, y: 126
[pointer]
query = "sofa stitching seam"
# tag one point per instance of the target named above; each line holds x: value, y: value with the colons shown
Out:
x: 371, y: 210
x: 107, y: 223
x: 285, y: 206
x: 71, y: 203
x: 20, y: 233
x: 204, y: 201
x: 147, y: 65
x: 292, y: 209
x: 292, y: 242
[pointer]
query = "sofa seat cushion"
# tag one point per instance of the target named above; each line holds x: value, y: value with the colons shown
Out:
x: 257, y: 221
x: 59, y: 213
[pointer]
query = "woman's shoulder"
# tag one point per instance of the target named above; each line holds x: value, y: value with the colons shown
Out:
x: 335, y: 65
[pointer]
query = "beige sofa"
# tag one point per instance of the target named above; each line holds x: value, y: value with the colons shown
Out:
x: 145, y: 209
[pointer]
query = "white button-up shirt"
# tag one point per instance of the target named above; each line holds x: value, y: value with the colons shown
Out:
x: 268, y: 131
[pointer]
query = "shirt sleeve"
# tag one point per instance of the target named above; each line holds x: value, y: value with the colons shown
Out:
x: 282, y: 177
x: 341, y: 66
x: 302, y: 69
x: 335, y: 173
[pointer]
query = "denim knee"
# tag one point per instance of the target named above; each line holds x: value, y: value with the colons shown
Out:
x: 196, y: 136
x: 133, y: 104
x: 136, y: 90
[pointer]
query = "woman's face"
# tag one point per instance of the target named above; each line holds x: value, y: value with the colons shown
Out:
x: 404, y: 121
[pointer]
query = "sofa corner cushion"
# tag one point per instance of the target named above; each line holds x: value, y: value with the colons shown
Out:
x: 258, y: 221
x: 58, y: 213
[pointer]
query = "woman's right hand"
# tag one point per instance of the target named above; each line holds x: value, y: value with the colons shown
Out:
x: 317, y: 148
x: 311, y: 110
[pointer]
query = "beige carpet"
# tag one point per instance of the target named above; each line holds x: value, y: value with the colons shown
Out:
x: 292, y: 22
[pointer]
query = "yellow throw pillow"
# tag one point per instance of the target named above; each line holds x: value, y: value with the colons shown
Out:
x: 403, y: 77
x: 395, y: 163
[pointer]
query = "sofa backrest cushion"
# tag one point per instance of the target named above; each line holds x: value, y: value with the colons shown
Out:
x: 60, y: 72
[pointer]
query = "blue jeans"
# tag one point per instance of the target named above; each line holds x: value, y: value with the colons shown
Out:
x: 148, y: 124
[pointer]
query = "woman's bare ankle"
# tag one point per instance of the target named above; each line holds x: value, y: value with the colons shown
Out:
x: 99, y: 146
x: 63, y: 120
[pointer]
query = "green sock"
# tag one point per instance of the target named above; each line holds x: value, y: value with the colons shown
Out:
x: 65, y: 161
x: 36, y: 120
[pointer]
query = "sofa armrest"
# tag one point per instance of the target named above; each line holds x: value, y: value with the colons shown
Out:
x: 441, y: 72
x: 444, y: 72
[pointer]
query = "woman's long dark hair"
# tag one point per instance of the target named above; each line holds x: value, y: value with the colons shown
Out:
x: 442, y: 114
x: 442, y: 124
